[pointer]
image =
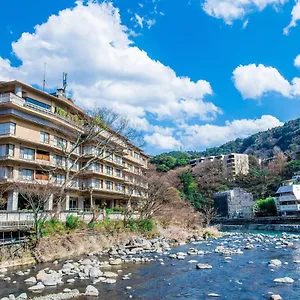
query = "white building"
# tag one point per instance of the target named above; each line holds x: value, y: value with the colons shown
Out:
x: 288, y: 197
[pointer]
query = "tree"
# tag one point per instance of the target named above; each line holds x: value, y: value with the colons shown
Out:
x: 103, y: 133
x: 265, y: 207
x: 291, y: 168
x: 36, y: 197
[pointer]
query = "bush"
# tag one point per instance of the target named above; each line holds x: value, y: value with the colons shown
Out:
x: 73, y: 222
x: 52, y: 227
x: 266, y: 207
x: 142, y: 225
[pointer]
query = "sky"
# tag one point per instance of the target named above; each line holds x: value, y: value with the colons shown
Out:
x: 191, y: 74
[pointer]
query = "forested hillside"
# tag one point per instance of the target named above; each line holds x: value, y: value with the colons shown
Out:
x: 263, y: 144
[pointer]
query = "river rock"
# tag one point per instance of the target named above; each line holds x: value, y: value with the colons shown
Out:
x: 117, y: 261
x: 3, y: 270
x: 50, y: 281
x: 284, y: 280
x: 31, y: 280
x: 71, y: 280
x: 95, y: 272
x: 67, y: 290
x: 68, y: 266
x: 91, y: 291
x: 213, y: 295
x: 110, y: 274
x: 11, y: 297
x: 110, y: 280
x: 86, y: 261
x: 275, y: 297
x: 37, y: 287
x: 23, y: 296
x: 20, y: 273
x: 275, y: 263
x: 42, y: 275
x: 203, y: 266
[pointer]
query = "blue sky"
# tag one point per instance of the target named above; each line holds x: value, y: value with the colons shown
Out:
x: 190, y: 74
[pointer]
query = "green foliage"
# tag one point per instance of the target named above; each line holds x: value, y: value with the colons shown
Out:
x: 73, y: 222
x: 146, y: 225
x: 266, y: 207
x: 53, y: 227
x: 291, y: 168
x: 190, y: 191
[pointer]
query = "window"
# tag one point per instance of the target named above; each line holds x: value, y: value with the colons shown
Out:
x: 26, y: 174
x: 109, y: 170
x: 118, y: 173
x: 108, y: 155
x: 37, y: 103
x: 4, y: 173
x: 97, y: 183
x: 7, y: 128
x: 59, y: 179
x: 73, y: 204
x: 59, y: 160
x: 40, y: 175
x: 74, y: 148
x: 73, y: 166
x: 118, y: 159
x: 108, y: 185
x: 44, y: 137
x: 74, y: 183
x: 136, y: 155
x: 26, y: 153
x: 120, y: 187
x: 7, y: 150
x: 136, y: 170
x: 60, y: 142
x: 42, y: 155
x: 129, y: 167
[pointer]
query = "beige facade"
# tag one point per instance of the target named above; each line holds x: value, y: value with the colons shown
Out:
x: 30, y: 123
x: 233, y: 163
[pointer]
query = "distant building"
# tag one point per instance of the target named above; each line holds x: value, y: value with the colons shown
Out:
x: 233, y: 163
x: 235, y: 203
x: 288, y: 196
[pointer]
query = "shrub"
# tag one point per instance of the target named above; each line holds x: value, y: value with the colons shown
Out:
x: 266, y: 207
x: 73, y: 222
x: 141, y: 225
x: 52, y: 227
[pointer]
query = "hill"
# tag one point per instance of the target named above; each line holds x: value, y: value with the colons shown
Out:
x: 264, y: 144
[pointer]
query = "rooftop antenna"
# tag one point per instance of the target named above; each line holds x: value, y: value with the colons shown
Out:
x: 44, y: 77
x: 65, y: 81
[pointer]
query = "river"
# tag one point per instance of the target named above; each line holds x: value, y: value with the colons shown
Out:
x: 241, y: 276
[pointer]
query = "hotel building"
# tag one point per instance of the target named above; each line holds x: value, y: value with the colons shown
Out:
x: 30, y: 142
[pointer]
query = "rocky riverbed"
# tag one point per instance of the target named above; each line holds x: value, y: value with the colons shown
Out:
x: 236, y: 266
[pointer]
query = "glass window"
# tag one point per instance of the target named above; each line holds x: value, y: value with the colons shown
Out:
x: 7, y: 128
x: 129, y: 167
x: 74, y: 148
x: 26, y: 153
x: 3, y: 172
x: 59, y: 179
x: 44, y: 137
x: 118, y: 173
x: 136, y: 155
x: 73, y: 204
x: 120, y: 187
x: 58, y: 160
x: 37, y: 103
x: 60, y: 142
x: 26, y: 174
x: 3, y: 150
x: 108, y: 155
x: 109, y: 170
x: 118, y: 159
x: 108, y: 185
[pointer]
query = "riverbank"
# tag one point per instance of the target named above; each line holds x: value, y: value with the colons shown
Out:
x: 262, y: 227
x: 235, y: 266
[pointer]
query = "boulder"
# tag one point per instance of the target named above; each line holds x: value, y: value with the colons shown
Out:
x: 3, y: 270
x: 71, y: 280
x: 37, y: 287
x: 110, y: 280
x: 91, y: 291
x: 31, y: 280
x: 213, y: 295
x: 117, y: 261
x: 50, y: 281
x: 68, y: 266
x: 95, y: 272
x: 23, y: 296
x: 110, y: 274
x: 86, y: 261
x: 42, y: 275
x: 275, y: 263
x: 203, y: 266
x: 284, y: 280
x: 275, y: 297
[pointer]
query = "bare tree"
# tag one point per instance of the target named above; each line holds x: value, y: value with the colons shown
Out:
x: 207, y: 214
x: 102, y: 133
x: 36, y: 197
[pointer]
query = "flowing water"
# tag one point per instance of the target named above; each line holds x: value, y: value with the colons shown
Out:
x: 245, y: 276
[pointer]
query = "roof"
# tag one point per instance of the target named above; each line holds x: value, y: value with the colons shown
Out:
x: 285, y: 189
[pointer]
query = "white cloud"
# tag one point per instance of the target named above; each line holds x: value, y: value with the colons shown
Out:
x: 200, y: 137
x: 295, y: 17
x: 163, y: 142
x: 245, y: 24
x: 297, y: 61
x: 231, y: 10
x: 104, y: 67
x: 139, y: 20
x: 254, y: 81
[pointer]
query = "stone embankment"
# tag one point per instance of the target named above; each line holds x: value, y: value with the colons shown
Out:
x: 263, y: 227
